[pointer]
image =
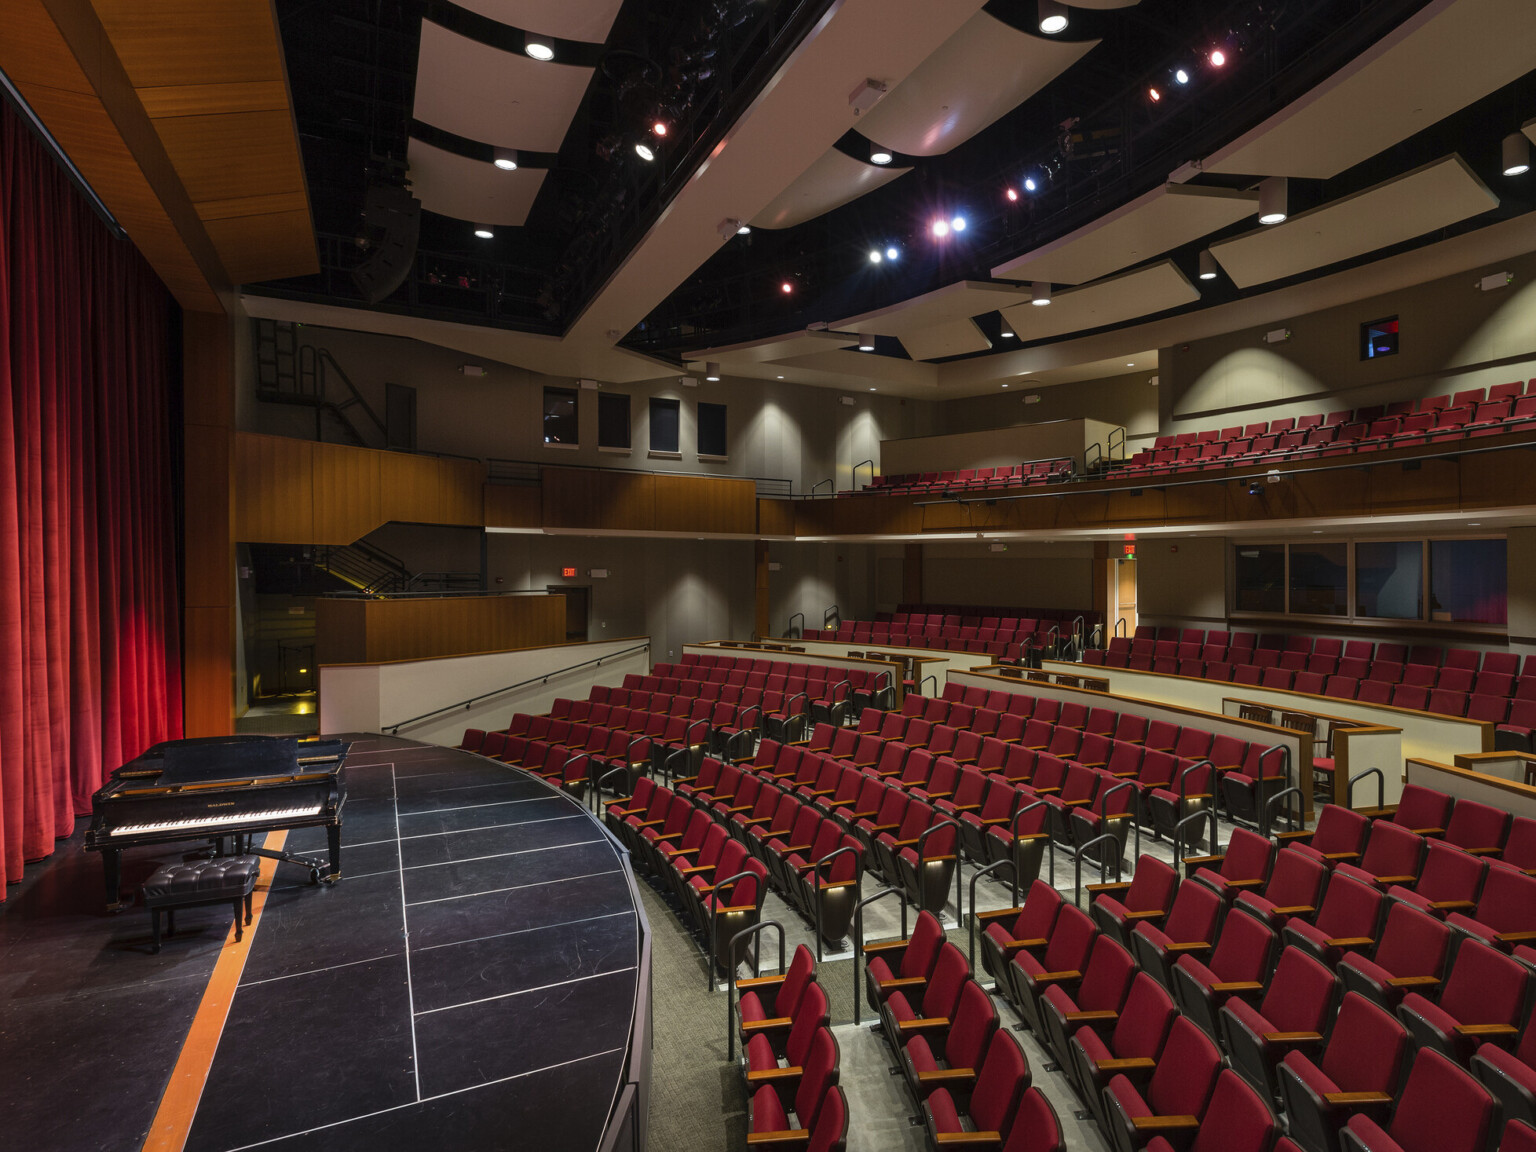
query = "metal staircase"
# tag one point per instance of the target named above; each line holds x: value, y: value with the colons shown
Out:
x: 288, y: 372
x: 368, y: 569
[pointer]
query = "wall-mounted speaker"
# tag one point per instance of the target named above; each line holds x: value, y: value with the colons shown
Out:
x: 392, y: 218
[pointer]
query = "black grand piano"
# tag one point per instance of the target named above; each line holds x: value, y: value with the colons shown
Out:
x: 218, y: 788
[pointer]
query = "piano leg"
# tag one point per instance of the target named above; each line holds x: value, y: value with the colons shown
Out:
x: 112, y: 866
x: 333, y: 840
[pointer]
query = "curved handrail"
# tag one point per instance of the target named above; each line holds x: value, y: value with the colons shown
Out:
x: 1381, y: 786
x: 858, y: 937
x: 975, y: 876
x: 790, y: 628
x: 597, y: 785
x: 856, y: 468
x: 833, y: 612
x: 1285, y: 773
x: 816, y: 888
x: 1290, y: 816
x: 761, y: 883
x: 1121, y: 628
x: 1113, y: 433
x: 394, y: 729
x: 828, y: 481
x: 922, y: 840
x: 1178, y: 834
x: 1013, y: 836
x: 1077, y: 857
x: 730, y: 985
x: 924, y: 680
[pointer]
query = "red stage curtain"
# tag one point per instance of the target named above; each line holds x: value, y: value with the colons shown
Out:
x: 90, y: 664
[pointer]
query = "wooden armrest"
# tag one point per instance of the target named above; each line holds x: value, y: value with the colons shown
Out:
x: 1245, y: 883
x: 694, y: 868
x: 1164, y: 1123
x: 1124, y: 775
x: 1350, y: 941
x: 941, y: 1076
x: 1452, y: 905
x: 888, y: 945
x: 1016, y: 945
x: 967, y: 1139
x: 1047, y: 791
x: 1486, y: 1029
x: 1190, y: 946
x: 903, y: 843
x: 1483, y: 851
x: 921, y: 1023
x: 742, y: 808
x: 668, y: 836
x: 1237, y: 986
x: 823, y: 792
x: 1396, y: 879
x: 1340, y: 857
x: 1149, y: 915
x: 652, y: 823
x: 996, y: 820
x: 770, y: 1075
x: 878, y: 828
x: 1293, y: 1037
x: 996, y: 914
x: 1077, y: 803
x: 1516, y: 937
x: 1299, y: 834
x: 1344, y: 1099
x: 1188, y: 860
x: 1412, y: 981
x: 758, y: 982
x: 1429, y: 831
x: 1294, y: 910
x: 1057, y: 977
x: 902, y: 982
x: 1131, y: 1064
x: 789, y: 1136
x: 1121, y: 886
x: 1084, y: 1017
x: 753, y: 823
x: 943, y: 796
x: 963, y: 807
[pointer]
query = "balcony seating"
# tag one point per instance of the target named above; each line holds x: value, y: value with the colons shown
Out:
x: 951, y: 1056
x: 1441, y: 1109
x: 1361, y: 1069
x: 1484, y: 1000
x: 1181, y: 1085
x: 1134, y: 1044
x: 1411, y: 954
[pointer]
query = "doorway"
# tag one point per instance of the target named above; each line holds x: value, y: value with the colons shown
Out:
x: 577, y: 601
x: 1123, y: 611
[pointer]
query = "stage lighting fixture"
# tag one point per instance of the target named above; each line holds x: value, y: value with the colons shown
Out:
x: 957, y: 224
x: 1218, y: 58
x: 1181, y: 76
x: 1040, y: 293
x: 1154, y: 95
x: 1053, y: 17
x: 1517, y: 154
x: 484, y: 231
x: 744, y: 230
x: 1274, y: 198
x: 892, y: 252
x: 879, y: 155
x: 660, y: 127
x: 1029, y: 184
x: 538, y: 47
x: 1011, y: 194
x: 1006, y: 333
x: 505, y: 159
x: 874, y: 256
x: 1207, y: 265
x: 644, y: 152
x: 941, y: 228
x: 786, y: 287
x: 866, y: 342
x: 712, y: 371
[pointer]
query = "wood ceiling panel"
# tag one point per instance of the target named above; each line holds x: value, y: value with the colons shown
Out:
x: 1164, y: 219
x: 224, y: 157
x: 1450, y: 54
x: 1128, y: 296
x: 264, y: 205
x: 264, y: 247
x: 163, y: 42
x: 204, y: 99
x: 1431, y: 197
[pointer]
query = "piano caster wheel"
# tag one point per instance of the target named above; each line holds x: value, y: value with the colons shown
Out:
x: 331, y: 879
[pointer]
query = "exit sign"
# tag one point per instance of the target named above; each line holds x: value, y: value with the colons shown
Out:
x: 1130, y: 549
x: 567, y: 572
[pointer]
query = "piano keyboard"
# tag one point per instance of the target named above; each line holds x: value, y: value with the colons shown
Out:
x: 221, y: 821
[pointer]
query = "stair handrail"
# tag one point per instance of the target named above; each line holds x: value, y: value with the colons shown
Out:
x: 730, y: 984
x: 856, y: 468
x: 327, y: 361
x: 828, y: 481
x: 788, y: 629
x: 1113, y: 433
x: 831, y: 613
x: 394, y: 729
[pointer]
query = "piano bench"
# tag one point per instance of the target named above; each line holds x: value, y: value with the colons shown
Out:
x: 222, y: 880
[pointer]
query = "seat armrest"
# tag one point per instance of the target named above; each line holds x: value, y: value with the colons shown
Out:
x: 1345, y: 1099
x: 1254, y: 883
x: 1453, y: 905
x: 1086, y: 1017
x: 1164, y: 1123
x: 884, y: 946
x: 968, y: 1139
x: 1413, y: 981
x: 1017, y: 945
x: 902, y: 982
x: 1149, y: 915
x: 938, y: 1077
x: 1486, y: 1030
x: 1130, y: 1064
x: 794, y: 1137
x: 1516, y: 937
x: 1350, y: 941
x: 987, y: 917
x: 1057, y: 977
x: 1294, y: 910
x: 1121, y: 886
x: 1237, y: 986
x: 773, y: 1075
x: 922, y: 1024
x: 758, y: 982
x: 1429, y: 831
x: 1483, y: 851
x: 1293, y: 1037
x: 1397, y: 879
x: 1189, y: 946
x: 1188, y: 860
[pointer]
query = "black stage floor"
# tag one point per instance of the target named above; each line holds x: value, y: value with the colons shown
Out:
x: 470, y: 983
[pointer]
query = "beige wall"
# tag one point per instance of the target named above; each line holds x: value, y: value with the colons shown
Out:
x: 1130, y: 401
x: 1182, y: 579
x: 997, y: 446
x: 1453, y: 337
x: 1027, y: 575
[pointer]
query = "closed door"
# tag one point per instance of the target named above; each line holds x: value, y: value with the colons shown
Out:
x: 1125, y: 596
x: 576, y: 603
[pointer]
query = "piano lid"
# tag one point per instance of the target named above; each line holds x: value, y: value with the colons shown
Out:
x: 207, y: 761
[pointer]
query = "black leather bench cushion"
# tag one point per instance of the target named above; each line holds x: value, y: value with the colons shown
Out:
x: 225, y: 877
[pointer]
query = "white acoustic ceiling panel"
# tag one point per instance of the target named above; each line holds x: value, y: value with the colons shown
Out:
x: 495, y: 97
x: 978, y: 75
x: 1164, y: 219
x: 472, y: 190
x: 834, y: 180
x: 1431, y: 197
x: 1446, y: 56
x: 776, y: 348
x: 958, y: 301
x: 1104, y: 5
x: 1128, y: 296
x: 951, y: 338
x: 587, y: 20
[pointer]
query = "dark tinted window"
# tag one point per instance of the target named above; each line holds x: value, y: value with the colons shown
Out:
x: 560, y: 416
x: 664, y: 422
x: 712, y: 438
x: 612, y: 420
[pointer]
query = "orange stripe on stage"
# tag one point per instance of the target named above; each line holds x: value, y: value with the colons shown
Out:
x: 173, y: 1119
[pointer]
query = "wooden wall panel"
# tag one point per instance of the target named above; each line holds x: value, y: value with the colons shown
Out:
x: 274, y: 491
x: 409, y: 488
x: 461, y: 492
x: 776, y: 517
x: 705, y: 504
x: 346, y: 496
x: 513, y: 506
x: 579, y: 498
x: 371, y: 631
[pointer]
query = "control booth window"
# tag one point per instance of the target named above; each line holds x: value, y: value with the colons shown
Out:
x: 665, y: 418
x: 1378, y: 338
x: 712, y: 438
x: 612, y: 420
x: 560, y: 425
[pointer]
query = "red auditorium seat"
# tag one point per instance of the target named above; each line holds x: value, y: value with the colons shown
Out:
x: 1188, y: 930
x: 961, y: 1046
x: 1181, y: 1085
x: 999, y: 1086
x: 1365, y: 1057
x: 1350, y: 917
x: 1295, y: 888
x: 1411, y: 953
x: 1238, y: 966
x: 1485, y: 999
x: 1295, y: 1014
x: 1146, y: 898
x: 1442, y: 1109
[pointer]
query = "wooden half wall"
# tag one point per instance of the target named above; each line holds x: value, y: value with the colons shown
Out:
x: 370, y: 631
x: 648, y: 502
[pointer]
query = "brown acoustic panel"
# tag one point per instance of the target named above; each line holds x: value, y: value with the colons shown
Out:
x: 192, y: 41
x: 410, y: 488
x: 513, y: 506
x: 207, y: 669
x: 264, y: 247
x: 705, y: 504
x: 341, y: 631
x: 776, y: 517
x: 346, y: 496
x: 579, y: 498
x: 864, y: 517
x: 461, y: 488
x: 374, y: 631
x: 208, y: 550
x: 274, y: 490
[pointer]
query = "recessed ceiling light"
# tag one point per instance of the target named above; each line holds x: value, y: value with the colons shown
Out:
x: 1207, y: 265
x: 1516, y: 154
x: 1010, y: 194
x: 786, y: 287
x: 1029, y: 184
x: 660, y: 127
x: 483, y: 231
x: 778, y: 377
x: 1005, y: 385
x: 957, y: 224
x: 1181, y: 76
x: 871, y: 389
x: 538, y: 47
x: 1053, y: 17
x: 712, y: 372
x: 874, y: 256
x: 644, y: 152
x: 505, y: 159
x: 1274, y: 195
x: 1218, y: 58
x: 1040, y: 293
x: 866, y: 342
x: 744, y: 230
x: 879, y: 155
x: 941, y: 228
x: 891, y: 253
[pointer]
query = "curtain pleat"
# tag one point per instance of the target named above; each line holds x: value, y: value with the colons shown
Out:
x: 90, y: 664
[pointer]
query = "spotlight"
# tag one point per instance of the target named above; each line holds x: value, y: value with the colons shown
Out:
x: 1181, y: 76
x: 1517, y: 154
x: 891, y: 253
x: 1006, y: 334
x: 484, y: 231
x: 1040, y: 293
x: 957, y: 224
x: 879, y: 155
x: 1029, y: 184
x: 1154, y: 95
x: 660, y: 127
x: 644, y: 152
x: 941, y: 228
x: 874, y: 256
x: 1218, y: 58
x: 712, y: 371
x: 538, y: 47
x: 1053, y: 17
x: 866, y: 342
x: 1255, y: 488
x: 744, y: 230
x: 1207, y: 265
x: 1274, y: 197
x: 1011, y: 194
x: 786, y: 287
x: 505, y: 159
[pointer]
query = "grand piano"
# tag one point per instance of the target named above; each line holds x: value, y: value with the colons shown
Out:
x: 218, y: 788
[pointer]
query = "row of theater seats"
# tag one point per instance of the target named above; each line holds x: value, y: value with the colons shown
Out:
x: 1269, y: 953
x: 1498, y: 693
x: 952, y: 481
x: 1005, y: 641
x: 1406, y: 424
